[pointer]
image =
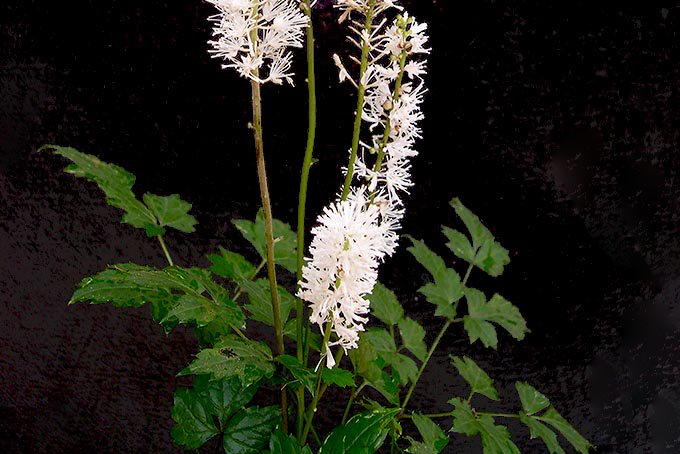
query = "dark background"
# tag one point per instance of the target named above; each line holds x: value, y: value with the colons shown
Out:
x: 557, y: 122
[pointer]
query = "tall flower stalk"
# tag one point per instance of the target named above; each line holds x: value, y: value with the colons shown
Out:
x: 255, y: 37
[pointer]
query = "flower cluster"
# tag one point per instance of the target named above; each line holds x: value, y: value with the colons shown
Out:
x: 353, y: 236
x: 255, y: 37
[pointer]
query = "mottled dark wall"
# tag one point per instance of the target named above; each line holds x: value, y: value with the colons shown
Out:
x: 558, y: 122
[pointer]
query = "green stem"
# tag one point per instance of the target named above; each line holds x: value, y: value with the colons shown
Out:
x: 433, y: 347
x: 352, y: 398
x: 302, y: 330
x: 165, y: 250
x: 269, y: 231
x: 317, y: 390
x: 365, y: 50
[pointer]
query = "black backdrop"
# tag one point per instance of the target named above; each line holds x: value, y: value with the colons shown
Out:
x: 556, y: 121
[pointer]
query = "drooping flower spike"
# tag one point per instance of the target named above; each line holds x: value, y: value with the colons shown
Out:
x: 254, y: 37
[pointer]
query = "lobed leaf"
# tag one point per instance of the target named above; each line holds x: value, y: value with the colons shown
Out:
x: 479, y: 381
x: 495, y: 439
x: 539, y: 430
x: 260, y: 301
x: 484, y: 252
x: 197, y: 410
x: 556, y: 420
x: 171, y: 211
x: 385, y: 306
x: 532, y: 400
x: 447, y: 287
x: 497, y: 310
x: 282, y: 443
x: 338, y: 377
x: 363, y: 433
x: 304, y: 375
x: 231, y: 265
x: 434, y: 438
x: 285, y: 240
x: 232, y: 356
x: 413, y: 337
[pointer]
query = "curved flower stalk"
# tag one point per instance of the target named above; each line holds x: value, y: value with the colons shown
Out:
x: 254, y: 37
x: 357, y: 231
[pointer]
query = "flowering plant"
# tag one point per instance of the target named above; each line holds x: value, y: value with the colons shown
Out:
x: 348, y: 330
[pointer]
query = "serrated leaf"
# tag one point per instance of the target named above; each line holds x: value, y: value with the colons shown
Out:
x: 459, y: 244
x: 338, y: 377
x: 497, y: 310
x: 405, y: 367
x: 492, y: 258
x: 495, y: 439
x: 413, y: 337
x: 434, y: 438
x: 260, y: 302
x: 540, y: 430
x: 385, y: 306
x: 556, y: 420
x: 363, y: 433
x: 477, y: 231
x: 304, y: 375
x: 285, y: 240
x: 114, y: 181
x: 282, y: 443
x: 381, y: 340
x: 234, y: 357
x: 176, y: 294
x: 365, y: 362
x: 447, y: 287
x: 532, y: 400
x: 197, y: 409
x: 478, y: 380
x: 171, y: 211
x: 231, y: 265
x: 485, y: 252
x: 249, y: 430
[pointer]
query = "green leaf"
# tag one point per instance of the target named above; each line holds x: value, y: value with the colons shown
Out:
x: 532, y: 400
x: 197, y: 410
x: 405, y: 367
x: 363, y: 433
x: 495, y: 439
x: 381, y: 341
x: 304, y: 375
x: 385, y: 306
x: 478, y: 380
x: 485, y: 252
x: 231, y: 265
x: 338, y: 377
x: 282, y: 443
x: 447, y: 287
x: 176, y: 294
x: 434, y: 438
x: 234, y: 357
x: 478, y: 232
x: 249, y: 430
x: 540, y: 430
x: 459, y: 244
x: 497, y: 310
x: 285, y: 240
x: 556, y: 420
x: 413, y: 337
x: 171, y: 211
x: 114, y: 181
x: 365, y: 362
x: 260, y: 301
